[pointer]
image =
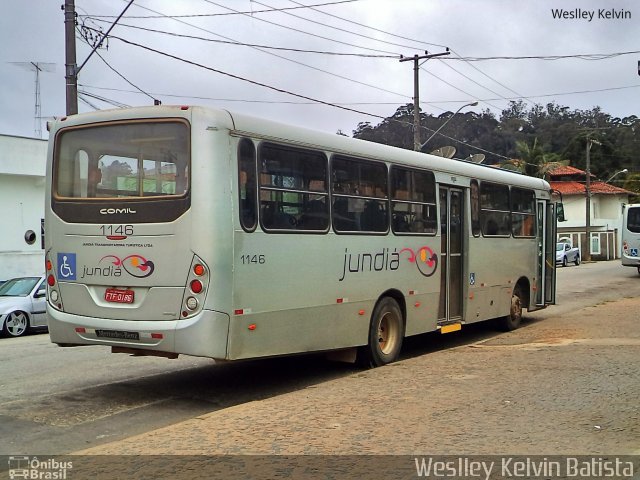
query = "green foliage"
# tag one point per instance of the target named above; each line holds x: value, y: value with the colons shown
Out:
x: 528, y: 139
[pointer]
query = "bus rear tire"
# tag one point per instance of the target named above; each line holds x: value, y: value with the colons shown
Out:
x: 386, y: 332
x: 512, y: 321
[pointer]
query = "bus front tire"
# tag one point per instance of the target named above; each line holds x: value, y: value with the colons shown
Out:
x: 512, y: 321
x: 386, y: 332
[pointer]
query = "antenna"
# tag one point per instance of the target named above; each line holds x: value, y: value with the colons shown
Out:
x: 37, y: 67
x: 477, y: 157
x: 446, y: 152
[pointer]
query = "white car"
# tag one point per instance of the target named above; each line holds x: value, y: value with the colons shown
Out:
x: 23, y: 305
x: 565, y: 253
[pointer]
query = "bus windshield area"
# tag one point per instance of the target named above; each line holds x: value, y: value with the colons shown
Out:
x: 123, y: 160
x: 633, y: 220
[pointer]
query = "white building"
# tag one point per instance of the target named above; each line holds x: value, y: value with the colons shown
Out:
x: 22, y: 172
x: 605, y: 219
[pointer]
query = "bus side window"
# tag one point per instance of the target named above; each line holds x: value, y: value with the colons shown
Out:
x: 360, y: 200
x: 474, y: 193
x: 247, y: 184
x: 293, y: 189
x: 523, y: 212
x: 413, y: 201
x: 495, y: 211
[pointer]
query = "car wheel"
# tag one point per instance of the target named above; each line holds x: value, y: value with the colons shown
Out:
x: 564, y: 261
x: 16, y: 324
x: 577, y: 262
x: 386, y: 332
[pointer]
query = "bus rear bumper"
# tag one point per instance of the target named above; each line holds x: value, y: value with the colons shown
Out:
x: 204, y: 335
x: 629, y: 261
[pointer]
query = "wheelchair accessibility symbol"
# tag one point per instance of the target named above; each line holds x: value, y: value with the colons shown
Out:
x: 67, y: 266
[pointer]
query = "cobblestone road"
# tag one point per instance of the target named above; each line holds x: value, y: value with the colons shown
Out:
x: 562, y: 385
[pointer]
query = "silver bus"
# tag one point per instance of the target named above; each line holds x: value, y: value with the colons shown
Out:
x: 631, y: 236
x: 189, y: 230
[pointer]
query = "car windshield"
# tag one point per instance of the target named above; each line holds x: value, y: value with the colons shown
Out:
x: 559, y: 246
x: 18, y: 287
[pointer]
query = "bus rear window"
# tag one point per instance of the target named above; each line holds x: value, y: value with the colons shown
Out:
x: 123, y: 160
x: 633, y: 220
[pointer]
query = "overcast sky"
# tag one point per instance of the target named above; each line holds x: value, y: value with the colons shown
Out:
x: 33, y: 31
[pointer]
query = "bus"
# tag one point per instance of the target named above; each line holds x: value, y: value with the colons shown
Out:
x: 190, y: 230
x: 631, y: 236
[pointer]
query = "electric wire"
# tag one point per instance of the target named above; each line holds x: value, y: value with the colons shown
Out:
x: 287, y: 92
x: 223, y: 14
x: 243, y: 44
x: 286, y: 59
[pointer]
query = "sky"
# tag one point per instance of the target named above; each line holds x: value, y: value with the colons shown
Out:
x: 367, y: 80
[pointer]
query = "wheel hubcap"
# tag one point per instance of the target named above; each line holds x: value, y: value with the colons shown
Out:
x: 387, y: 333
x: 16, y: 324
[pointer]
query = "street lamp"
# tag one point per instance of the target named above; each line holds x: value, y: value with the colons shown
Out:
x: 615, y: 174
x: 471, y: 104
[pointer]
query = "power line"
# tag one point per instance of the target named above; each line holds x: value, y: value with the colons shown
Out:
x: 284, y: 58
x: 579, y: 56
x: 337, y: 28
x: 196, y: 15
x: 287, y: 92
x: 155, y: 101
x: 304, y: 32
x: 371, y: 28
x: 452, y: 50
x: 242, y: 44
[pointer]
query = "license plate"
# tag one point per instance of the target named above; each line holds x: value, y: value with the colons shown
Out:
x: 118, y: 334
x: 114, y: 295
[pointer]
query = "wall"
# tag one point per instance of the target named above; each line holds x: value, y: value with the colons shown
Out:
x: 22, y: 171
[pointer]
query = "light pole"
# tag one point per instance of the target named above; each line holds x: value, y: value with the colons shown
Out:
x: 587, y: 189
x: 616, y: 174
x: 471, y: 104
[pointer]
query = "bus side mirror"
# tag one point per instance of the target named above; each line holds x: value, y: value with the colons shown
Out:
x: 560, y: 212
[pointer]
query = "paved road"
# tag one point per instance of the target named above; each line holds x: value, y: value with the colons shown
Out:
x: 55, y: 400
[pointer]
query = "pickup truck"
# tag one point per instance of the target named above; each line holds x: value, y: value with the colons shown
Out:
x: 565, y: 253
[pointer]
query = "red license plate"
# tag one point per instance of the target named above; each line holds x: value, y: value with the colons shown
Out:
x: 114, y: 295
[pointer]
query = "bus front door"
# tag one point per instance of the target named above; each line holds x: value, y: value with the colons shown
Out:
x: 546, y: 265
x: 451, y: 231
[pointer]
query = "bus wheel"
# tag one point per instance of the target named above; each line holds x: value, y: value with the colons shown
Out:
x: 512, y: 321
x: 386, y: 332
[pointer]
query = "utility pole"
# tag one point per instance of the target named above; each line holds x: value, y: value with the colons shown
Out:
x: 72, y: 69
x: 587, y: 189
x: 71, y: 72
x: 416, y: 92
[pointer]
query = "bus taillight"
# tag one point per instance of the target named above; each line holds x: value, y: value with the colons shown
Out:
x: 196, y: 286
x: 199, y: 269
x: 51, y: 280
